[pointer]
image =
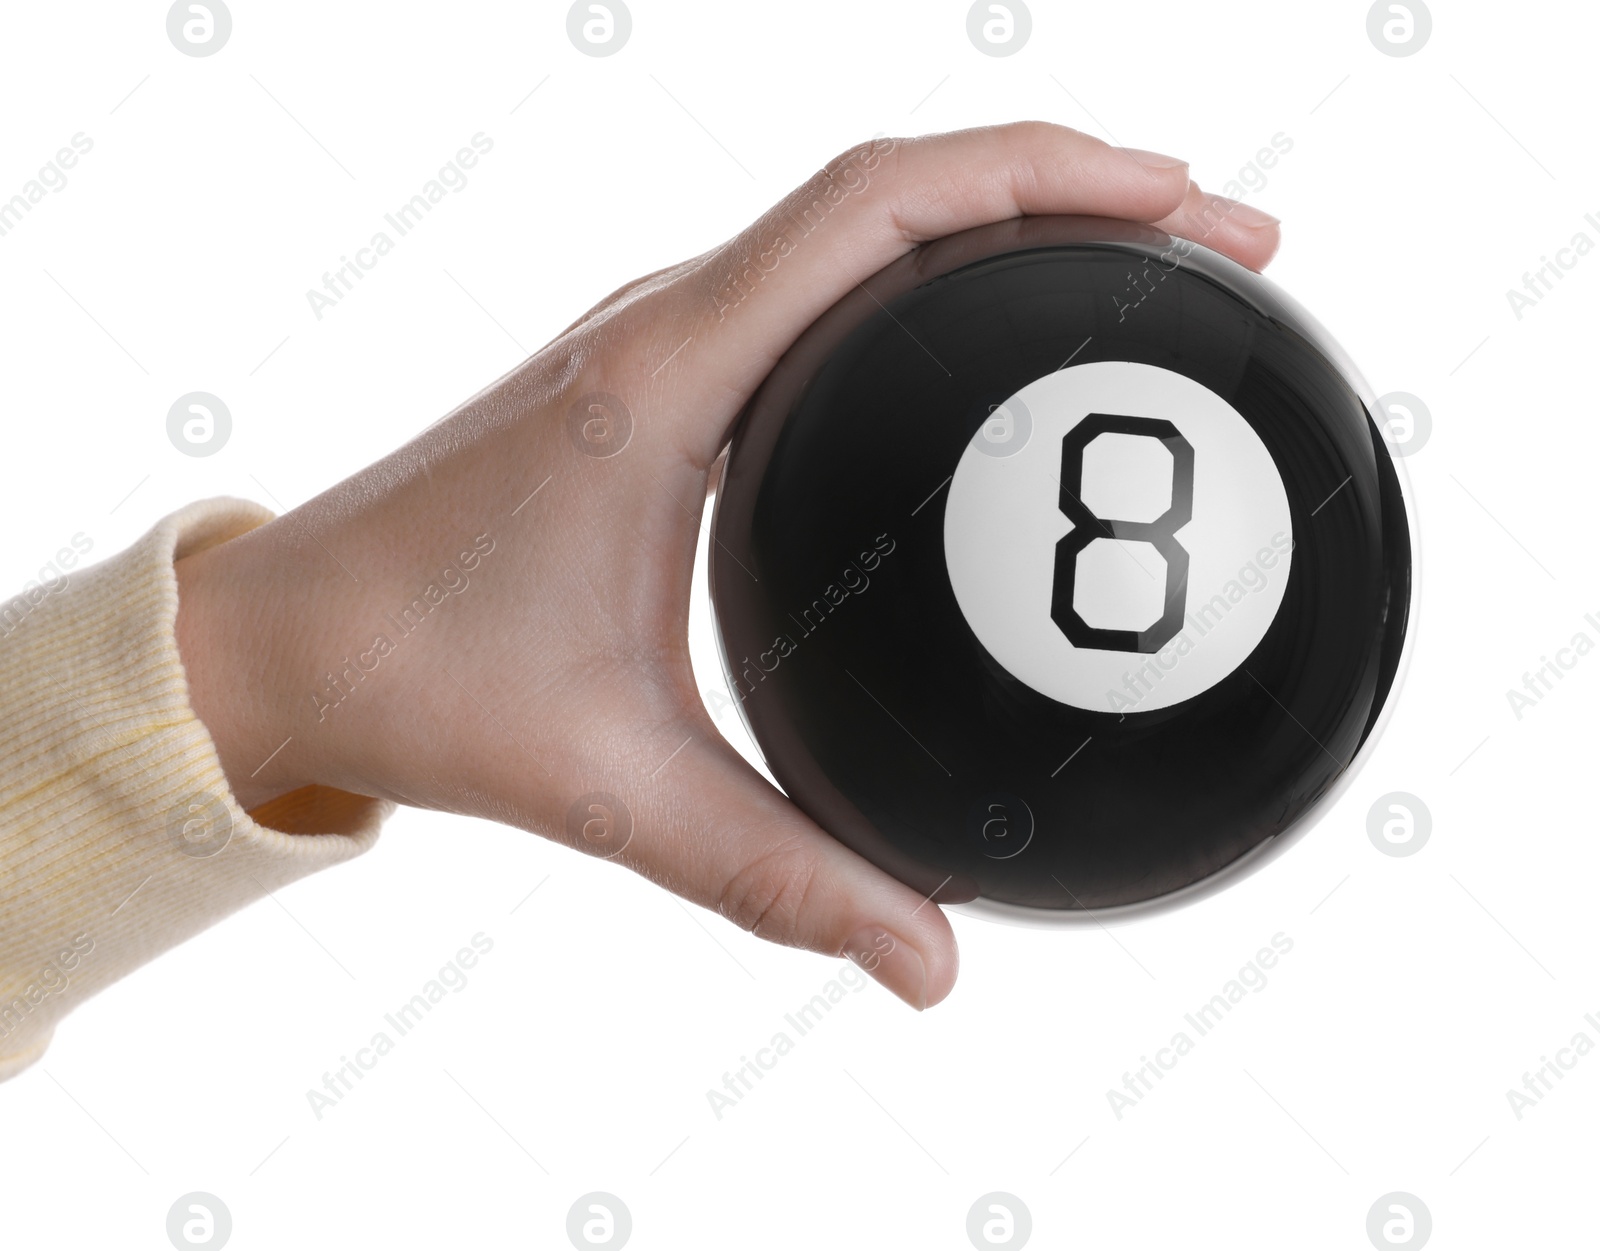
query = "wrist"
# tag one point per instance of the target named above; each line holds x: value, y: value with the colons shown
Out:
x: 226, y: 640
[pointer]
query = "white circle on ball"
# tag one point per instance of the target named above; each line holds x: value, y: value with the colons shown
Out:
x: 1003, y: 521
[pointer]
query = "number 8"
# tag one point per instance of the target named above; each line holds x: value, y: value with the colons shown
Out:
x: 1160, y: 534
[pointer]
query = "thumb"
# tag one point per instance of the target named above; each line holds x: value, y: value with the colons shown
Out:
x: 713, y: 831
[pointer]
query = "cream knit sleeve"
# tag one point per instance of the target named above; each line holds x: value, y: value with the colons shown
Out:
x: 119, y: 836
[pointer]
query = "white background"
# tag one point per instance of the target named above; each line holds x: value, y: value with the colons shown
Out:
x: 1419, y: 989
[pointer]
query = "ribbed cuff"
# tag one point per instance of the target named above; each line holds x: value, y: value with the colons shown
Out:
x: 119, y: 835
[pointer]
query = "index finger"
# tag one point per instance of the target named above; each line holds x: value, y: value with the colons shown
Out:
x: 869, y: 206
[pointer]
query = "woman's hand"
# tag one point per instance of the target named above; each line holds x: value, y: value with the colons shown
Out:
x: 492, y: 620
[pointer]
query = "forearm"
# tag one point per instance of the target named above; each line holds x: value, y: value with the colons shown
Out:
x: 119, y: 834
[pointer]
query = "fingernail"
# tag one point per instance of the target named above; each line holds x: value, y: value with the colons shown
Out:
x: 891, y: 962
x: 1155, y: 160
x: 1248, y: 216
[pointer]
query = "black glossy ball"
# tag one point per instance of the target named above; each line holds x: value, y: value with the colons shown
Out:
x: 1062, y: 566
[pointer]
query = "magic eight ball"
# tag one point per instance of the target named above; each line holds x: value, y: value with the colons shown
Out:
x: 1062, y: 567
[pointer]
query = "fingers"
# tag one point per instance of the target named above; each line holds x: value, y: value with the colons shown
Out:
x: 723, y: 838
x: 752, y: 297
x: 1238, y: 230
